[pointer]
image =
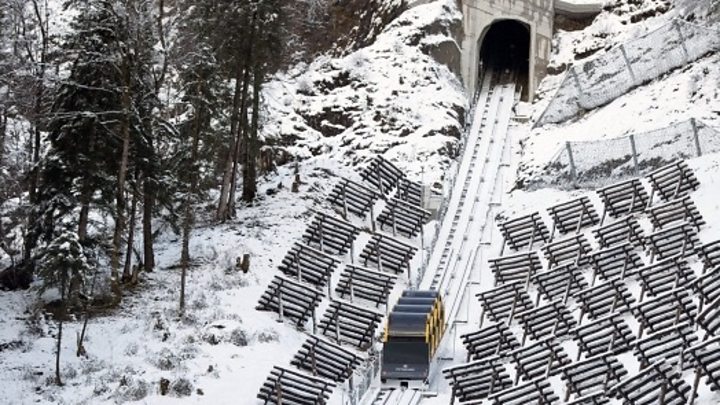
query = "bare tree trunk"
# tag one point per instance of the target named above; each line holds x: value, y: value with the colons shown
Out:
x: 250, y: 167
x: 242, y: 135
x: 120, y: 192
x: 3, y: 128
x: 223, y: 204
x: 40, y: 63
x: 127, y: 267
x: 148, y: 203
x: 61, y: 315
x: 160, y: 77
x: 188, y: 217
x: 84, y: 213
x: 244, y: 103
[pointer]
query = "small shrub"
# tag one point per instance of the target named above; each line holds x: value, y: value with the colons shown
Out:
x: 182, y: 387
x: 238, y: 337
x: 166, y: 360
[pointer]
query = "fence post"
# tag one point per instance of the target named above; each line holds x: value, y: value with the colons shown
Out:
x: 627, y: 63
x: 573, y: 171
x: 696, y: 135
x: 635, y: 155
x: 676, y: 23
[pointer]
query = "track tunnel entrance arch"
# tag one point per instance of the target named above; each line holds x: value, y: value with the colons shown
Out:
x: 488, y: 25
x: 505, y: 45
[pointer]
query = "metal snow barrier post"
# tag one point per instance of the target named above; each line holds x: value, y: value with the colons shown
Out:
x: 573, y: 170
x: 628, y: 64
x: 635, y: 162
x: 693, y: 122
x: 677, y: 26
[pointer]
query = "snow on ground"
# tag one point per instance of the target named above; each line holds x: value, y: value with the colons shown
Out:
x: 224, y: 348
x: 390, y: 98
x: 336, y: 113
x: 689, y: 92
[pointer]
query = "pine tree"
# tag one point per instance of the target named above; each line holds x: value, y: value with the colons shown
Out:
x: 199, y: 74
x: 63, y: 264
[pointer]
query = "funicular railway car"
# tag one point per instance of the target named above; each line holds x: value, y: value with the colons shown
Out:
x: 412, y: 334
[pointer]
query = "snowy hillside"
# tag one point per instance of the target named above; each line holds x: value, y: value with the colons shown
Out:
x: 328, y: 119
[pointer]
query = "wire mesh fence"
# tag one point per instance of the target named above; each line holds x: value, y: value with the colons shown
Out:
x: 603, y: 79
x: 597, y: 163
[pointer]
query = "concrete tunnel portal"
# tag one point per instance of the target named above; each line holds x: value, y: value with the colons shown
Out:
x: 505, y: 45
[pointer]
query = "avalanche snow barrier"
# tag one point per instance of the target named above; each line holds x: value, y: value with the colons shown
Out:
x: 603, y: 79
x: 640, y: 301
x: 594, y: 163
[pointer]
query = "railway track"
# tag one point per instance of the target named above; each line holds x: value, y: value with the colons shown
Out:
x: 476, y: 191
x: 398, y: 396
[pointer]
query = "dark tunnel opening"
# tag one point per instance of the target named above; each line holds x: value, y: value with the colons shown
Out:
x: 506, y: 45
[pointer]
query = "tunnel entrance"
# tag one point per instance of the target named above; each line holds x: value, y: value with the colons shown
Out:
x: 506, y: 45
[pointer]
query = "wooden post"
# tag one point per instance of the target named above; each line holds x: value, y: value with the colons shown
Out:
x: 696, y: 384
x: 512, y: 308
x: 297, y: 265
x: 313, y: 364
x: 344, y: 201
x: 281, y: 310
x: 696, y: 135
x: 573, y: 169
x: 635, y: 157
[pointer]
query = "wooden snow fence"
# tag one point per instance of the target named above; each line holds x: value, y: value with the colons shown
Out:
x: 524, y: 233
x: 610, y: 334
x: 326, y: 359
x: 709, y: 318
x: 673, y: 181
x: 308, y: 265
x: 288, y: 387
x: 597, y: 398
x: 542, y: 359
x: 345, y: 322
x: 616, y: 262
x: 290, y: 299
x: 517, y: 267
x: 559, y: 283
x: 502, y: 303
x: 553, y: 319
x: 604, y: 299
x: 360, y: 282
x: 409, y: 192
x: 665, y: 310
x: 710, y: 255
x: 681, y: 239
x: 658, y: 384
x: 705, y: 358
x: 382, y: 175
x: 626, y: 229
x: 664, y: 275
x: 403, y: 218
x: 575, y: 249
x: 572, y: 216
x: 708, y: 286
x: 491, y: 340
x: 592, y: 375
x: 623, y: 199
x: 476, y: 380
x: 388, y: 254
x: 353, y: 198
x: 537, y: 391
x: 329, y: 234
x: 667, y: 344
x: 679, y: 210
